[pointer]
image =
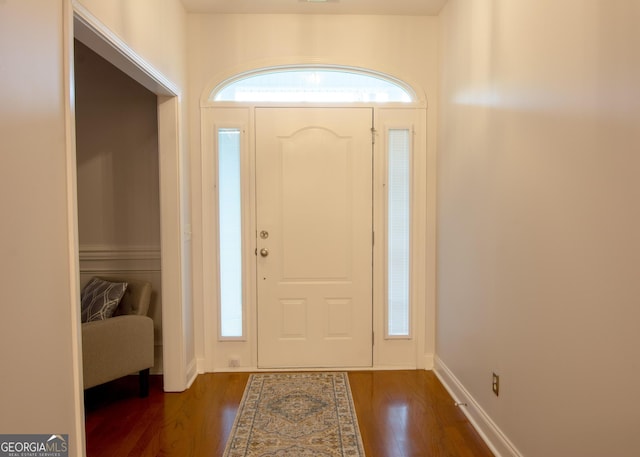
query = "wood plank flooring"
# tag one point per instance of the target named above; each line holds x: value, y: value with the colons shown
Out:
x: 401, y: 414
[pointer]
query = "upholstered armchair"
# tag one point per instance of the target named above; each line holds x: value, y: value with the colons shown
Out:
x: 123, y: 344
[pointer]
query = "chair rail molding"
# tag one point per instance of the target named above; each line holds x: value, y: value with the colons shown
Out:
x: 104, y: 258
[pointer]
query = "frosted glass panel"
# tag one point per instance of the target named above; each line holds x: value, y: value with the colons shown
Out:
x: 230, y: 217
x: 398, y: 205
x: 313, y: 85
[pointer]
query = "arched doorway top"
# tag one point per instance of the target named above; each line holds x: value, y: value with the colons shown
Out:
x: 313, y: 84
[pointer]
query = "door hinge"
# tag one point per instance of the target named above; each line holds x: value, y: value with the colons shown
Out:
x: 373, y: 135
x: 373, y: 238
x: 373, y: 338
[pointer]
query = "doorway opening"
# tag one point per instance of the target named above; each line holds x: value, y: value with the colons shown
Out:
x: 118, y: 179
x: 173, y: 247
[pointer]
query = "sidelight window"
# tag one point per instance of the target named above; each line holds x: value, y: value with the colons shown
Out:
x: 230, y: 233
x: 398, y: 233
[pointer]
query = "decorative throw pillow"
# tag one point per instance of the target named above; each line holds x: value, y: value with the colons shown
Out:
x: 100, y: 299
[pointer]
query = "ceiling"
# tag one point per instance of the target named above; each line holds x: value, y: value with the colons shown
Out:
x: 395, y: 7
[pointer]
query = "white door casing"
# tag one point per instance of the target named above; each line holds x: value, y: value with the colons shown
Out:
x: 314, y: 243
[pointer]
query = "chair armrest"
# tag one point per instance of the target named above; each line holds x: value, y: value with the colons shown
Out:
x: 116, y: 347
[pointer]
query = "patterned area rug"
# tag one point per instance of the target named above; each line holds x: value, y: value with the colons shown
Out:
x: 296, y: 415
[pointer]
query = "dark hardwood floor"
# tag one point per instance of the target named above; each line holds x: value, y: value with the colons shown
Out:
x: 401, y: 414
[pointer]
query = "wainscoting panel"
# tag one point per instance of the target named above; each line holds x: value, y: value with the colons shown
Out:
x: 134, y: 262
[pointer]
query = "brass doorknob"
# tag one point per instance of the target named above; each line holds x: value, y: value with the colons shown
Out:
x: 264, y: 252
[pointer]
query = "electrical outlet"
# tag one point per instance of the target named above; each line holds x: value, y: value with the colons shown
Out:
x: 495, y: 384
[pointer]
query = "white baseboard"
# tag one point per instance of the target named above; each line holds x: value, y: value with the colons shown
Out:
x: 192, y: 372
x: 484, y: 425
x: 382, y: 368
x: 428, y: 362
x: 201, y: 364
x: 255, y: 369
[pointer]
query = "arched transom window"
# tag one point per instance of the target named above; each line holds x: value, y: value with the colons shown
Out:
x: 313, y: 85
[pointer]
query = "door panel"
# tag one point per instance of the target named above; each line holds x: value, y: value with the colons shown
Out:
x: 314, y: 219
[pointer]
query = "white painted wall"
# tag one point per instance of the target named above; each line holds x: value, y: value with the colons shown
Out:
x: 538, y: 219
x: 223, y: 45
x: 41, y: 388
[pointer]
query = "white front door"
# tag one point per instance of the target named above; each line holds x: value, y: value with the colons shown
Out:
x: 314, y: 228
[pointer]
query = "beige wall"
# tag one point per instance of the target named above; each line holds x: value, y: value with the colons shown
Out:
x: 39, y: 315
x: 221, y: 46
x: 538, y: 219
x: 117, y: 156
